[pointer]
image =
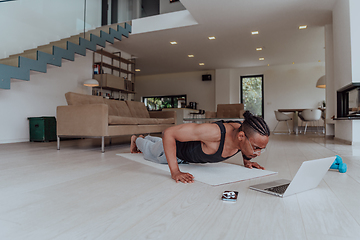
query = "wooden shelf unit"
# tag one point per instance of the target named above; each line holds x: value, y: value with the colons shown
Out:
x: 124, y: 81
x: 112, y: 83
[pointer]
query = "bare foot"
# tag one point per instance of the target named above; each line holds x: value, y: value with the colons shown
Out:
x: 137, y: 150
x: 133, y: 148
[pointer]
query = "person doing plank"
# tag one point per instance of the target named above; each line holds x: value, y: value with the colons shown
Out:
x: 205, y: 143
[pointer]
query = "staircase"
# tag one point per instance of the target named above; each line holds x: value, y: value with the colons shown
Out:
x: 18, y: 66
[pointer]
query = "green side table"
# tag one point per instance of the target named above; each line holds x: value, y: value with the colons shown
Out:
x: 42, y: 129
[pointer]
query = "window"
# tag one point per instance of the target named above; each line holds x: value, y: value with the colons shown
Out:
x: 252, y: 94
x: 160, y: 102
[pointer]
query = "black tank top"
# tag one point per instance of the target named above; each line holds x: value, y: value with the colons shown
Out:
x: 192, y: 152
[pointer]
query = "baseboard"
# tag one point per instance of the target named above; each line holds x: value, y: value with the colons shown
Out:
x: 19, y: 140
x: 329, y: 136
x: 343, y: 141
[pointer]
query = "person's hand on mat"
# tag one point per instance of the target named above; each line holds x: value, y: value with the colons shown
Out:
x: 249, y: 164
x: 182, y: 177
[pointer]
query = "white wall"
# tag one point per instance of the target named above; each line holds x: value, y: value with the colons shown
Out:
x: 342, y: 44
x: 189, y: 83
x: 38, y: 22
x: 356, y: 135
x: 40, y: 96
x: 355, y: 39
x: 222, y: 86
x: 285, y: 86
x: 344, y: 131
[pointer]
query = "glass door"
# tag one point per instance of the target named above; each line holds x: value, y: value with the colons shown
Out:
x: 252, y: 94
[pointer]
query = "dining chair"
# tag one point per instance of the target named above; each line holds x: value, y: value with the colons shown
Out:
x: 280, y: 117
x: 310, y: 115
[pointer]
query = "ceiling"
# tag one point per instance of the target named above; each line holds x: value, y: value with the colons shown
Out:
x: 231, y: 22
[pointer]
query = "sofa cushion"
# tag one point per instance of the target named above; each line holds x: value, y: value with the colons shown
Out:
x: 118, y: 120
x: 118, y: 108
x: 138, y: 109
x: 165, y: 120
x: 81, y: 99
x: 147, y: 121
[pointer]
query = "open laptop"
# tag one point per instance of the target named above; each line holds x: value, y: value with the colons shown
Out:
x: 307, y: 177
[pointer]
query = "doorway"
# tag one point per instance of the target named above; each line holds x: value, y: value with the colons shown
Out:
x: 252, y: 94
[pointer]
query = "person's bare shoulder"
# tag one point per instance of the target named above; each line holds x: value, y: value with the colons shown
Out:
x: 208, y: 132
x: 195, y: 132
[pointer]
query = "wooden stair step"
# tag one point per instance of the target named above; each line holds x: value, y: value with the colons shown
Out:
x: 28, y: 54
x: 11, y: 61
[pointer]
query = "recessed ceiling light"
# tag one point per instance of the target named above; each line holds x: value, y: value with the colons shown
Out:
x: 137, y: 70
x: 319, y: 60
x: 201, y: 64
x: 254, y: 32
x: 293, y: 63
x: 173, y: 43
x: 190, y: 55
x: 212, y: 38
x: 261, y: 59
x: 303, y: 27
x: 268, y: 64
x: 259, y: 49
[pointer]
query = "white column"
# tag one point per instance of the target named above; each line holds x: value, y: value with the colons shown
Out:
x: 329, y: 76
x: 222, y: 86
x: 346, y: 57
x: 355, y: 39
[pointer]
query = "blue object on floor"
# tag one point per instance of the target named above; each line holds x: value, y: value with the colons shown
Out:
x: 339, y: 165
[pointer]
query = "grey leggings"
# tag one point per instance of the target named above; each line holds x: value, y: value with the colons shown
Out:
x: 152, y: 148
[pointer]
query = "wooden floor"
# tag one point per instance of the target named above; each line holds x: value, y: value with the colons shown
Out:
x: 80, y: 193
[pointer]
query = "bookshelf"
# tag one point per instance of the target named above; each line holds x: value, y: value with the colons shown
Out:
x: 114, y: 73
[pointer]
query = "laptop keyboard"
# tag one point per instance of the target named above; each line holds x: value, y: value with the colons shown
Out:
x: 278, y: 189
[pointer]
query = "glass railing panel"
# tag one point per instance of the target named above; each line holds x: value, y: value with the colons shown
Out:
x: 32, y: 23
x: 126, y: 10
x: 167, y: 6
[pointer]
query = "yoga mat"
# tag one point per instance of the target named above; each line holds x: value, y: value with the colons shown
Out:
x: 211, y: 173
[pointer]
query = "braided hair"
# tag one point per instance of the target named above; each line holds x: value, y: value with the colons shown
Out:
x: 254, y: 124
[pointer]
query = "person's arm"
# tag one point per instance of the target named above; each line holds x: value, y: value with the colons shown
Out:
x: 184, y: 133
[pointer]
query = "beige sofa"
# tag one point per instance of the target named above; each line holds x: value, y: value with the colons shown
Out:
x: 94, y: 116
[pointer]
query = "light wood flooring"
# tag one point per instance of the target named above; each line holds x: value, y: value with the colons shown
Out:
x: 80, y: 193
